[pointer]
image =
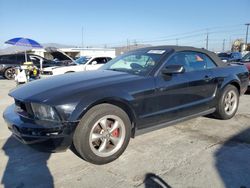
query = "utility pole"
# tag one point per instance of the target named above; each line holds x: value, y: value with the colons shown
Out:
x: 135, y: 43
x: 207, y: 41
x: 230, y: 43
x: 128, y: 45
x: 247, y: 24
x: 82, y: 37
x: 177, y: 42
x: 223, y: 45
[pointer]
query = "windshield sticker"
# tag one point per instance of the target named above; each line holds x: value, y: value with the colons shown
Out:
x: 156, y: 51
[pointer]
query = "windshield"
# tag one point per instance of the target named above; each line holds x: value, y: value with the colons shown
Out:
x: 246, y: 58
x: 82, y: 60
x: 136, y: 62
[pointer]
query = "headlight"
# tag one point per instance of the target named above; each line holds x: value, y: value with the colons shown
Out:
x: 44, y: 112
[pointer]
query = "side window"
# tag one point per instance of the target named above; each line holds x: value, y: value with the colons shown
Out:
x: 100, y: 60
x: 11, y: 58
x: 246, y: 57
x: 209, y: 62
x: 196, y: 61
x: 108, y: 58
x: 5, y: 58
x: 191, y: 61
x: 35, y: 60
x: 21, y: 58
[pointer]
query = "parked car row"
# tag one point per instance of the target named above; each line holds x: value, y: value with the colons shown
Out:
x: 61, y: 63
x: 246, y: 61
x: 229, y: 57
x: 9, y: 62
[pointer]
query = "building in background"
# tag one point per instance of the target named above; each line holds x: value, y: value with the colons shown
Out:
x: 77, y: 52
x: 124, y: 49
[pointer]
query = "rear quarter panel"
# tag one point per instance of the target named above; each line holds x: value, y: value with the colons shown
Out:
x: 234, y: 73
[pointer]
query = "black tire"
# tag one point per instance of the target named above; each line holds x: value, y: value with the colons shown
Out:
x: 221, y: 112
x: 9, y: 73
x: 83, y: 133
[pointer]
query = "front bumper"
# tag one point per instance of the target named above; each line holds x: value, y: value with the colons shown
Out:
x: 42, y: 135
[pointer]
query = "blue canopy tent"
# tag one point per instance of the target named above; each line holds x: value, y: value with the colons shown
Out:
x: 26, y: 42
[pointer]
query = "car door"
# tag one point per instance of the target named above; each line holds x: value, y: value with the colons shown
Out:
x: 183, y: 94
x: 201, y: 86
x: 96, y: 63
x: 170, y: 93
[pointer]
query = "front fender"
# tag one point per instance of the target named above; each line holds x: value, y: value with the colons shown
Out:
x: 94, y: 98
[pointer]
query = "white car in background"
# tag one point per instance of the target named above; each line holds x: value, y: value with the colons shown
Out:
x: 83, y: 63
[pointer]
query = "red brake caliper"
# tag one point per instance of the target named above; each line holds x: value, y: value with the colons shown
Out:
x: 115, y: 133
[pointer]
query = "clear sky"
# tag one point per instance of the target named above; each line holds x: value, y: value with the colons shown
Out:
x: 113, y: 22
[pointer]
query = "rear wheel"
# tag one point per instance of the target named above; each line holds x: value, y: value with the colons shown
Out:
x: 228, y: 103
x: 9, y: 73
x: 102, y: 134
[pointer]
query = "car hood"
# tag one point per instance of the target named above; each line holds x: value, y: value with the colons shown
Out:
x: 61, y: 56
x: 66, y: 85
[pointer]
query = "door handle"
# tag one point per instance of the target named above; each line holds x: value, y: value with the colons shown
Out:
x: 207, y: 78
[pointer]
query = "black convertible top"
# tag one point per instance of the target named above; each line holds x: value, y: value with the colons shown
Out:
x: 212, y: 55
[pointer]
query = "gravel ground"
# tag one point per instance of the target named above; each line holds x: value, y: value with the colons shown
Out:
x: 202, y: 152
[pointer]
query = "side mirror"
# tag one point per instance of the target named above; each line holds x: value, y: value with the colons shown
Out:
x: 93, y: 63
x: 173, y: 69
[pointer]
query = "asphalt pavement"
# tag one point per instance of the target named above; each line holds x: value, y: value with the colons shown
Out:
x: 202, y: 152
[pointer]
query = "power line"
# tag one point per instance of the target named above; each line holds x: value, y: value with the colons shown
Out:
x: 194, y: 31
x: 185, y: 35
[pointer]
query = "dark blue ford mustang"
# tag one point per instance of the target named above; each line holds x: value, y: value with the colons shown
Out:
x: 99, y: 111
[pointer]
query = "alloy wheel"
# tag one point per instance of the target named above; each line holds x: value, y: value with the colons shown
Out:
x: 230, y: 102
x: 10, y: 73
x: 107, y: 136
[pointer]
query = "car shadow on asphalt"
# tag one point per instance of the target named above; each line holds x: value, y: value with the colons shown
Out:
x: 232, y: 160
x: 26, y: 167
x: 153, y: 181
